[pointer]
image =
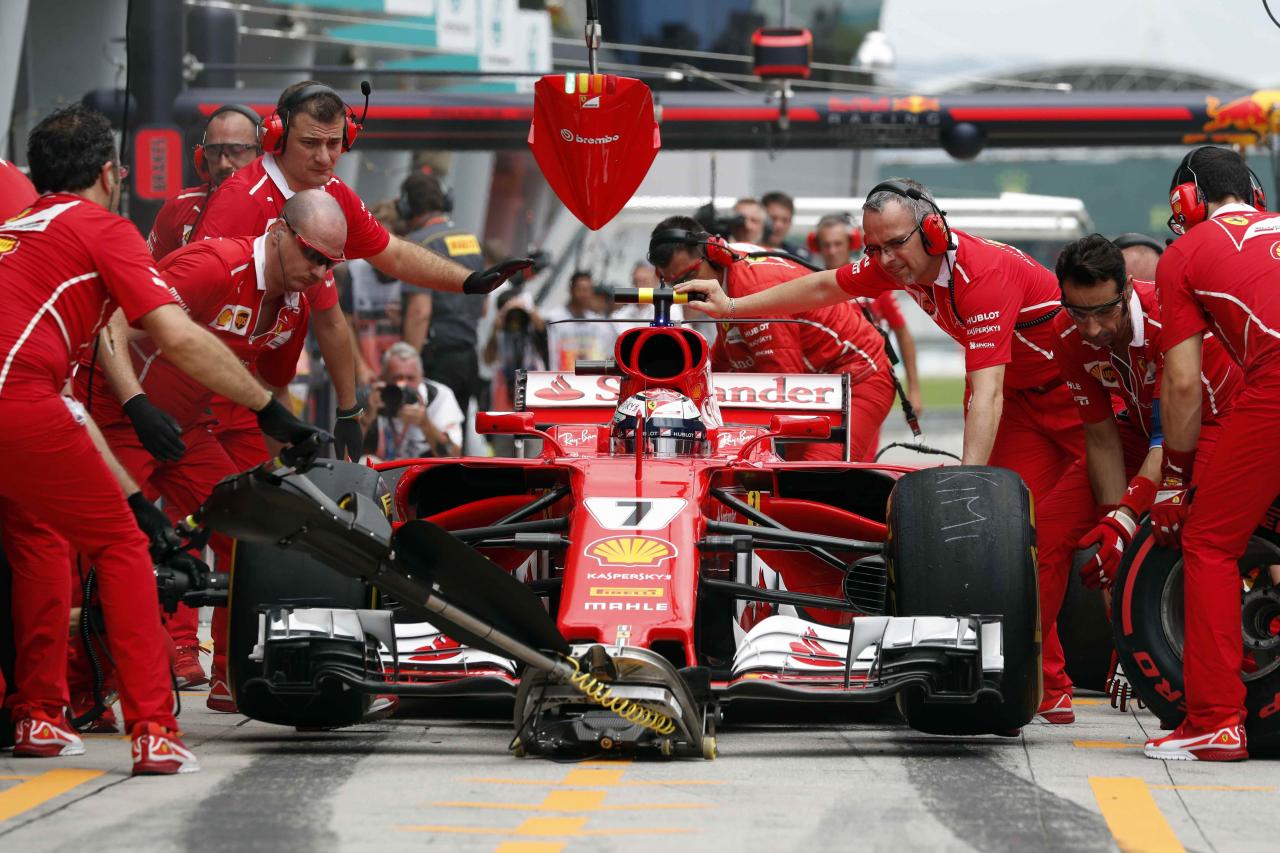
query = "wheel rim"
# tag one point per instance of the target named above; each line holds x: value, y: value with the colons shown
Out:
x: 1259, y: 608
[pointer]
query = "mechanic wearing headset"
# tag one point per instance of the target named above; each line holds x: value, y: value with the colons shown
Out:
x: 834, y: 239
x: 836, y: 338
x: 1107, y: 346
x: 1221, y: 276
x: 232, y: 139
x: 247, y: 293
x: 303, y: 140
x: 1141, y: 254
x: 69, y: 263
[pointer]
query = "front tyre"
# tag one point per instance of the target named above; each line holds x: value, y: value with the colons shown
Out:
x: 961, y: 542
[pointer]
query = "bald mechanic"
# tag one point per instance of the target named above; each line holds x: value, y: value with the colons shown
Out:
x: 70, y: 262
x: 304, y: 139
x: 1141, y: 254
x: 1220, y: 276
x: 263, y: 278
x: 832, y: 339
x: 231, y: 141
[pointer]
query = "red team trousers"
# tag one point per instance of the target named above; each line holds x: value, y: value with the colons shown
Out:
x: 55, y: 484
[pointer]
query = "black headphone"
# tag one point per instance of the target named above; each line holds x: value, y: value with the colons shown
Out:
x: 935, y: 233
x: 202, y: 168
x: 404, y: 207
x: 714, y: 248
x: 1130, y: 239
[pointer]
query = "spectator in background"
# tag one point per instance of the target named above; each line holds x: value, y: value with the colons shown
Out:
x: 371, y: 300
x: 518, y: 341
x: 836, y: 236
x: 409, y: 416
x: 781, y: 209
x: 568, y: 341
x: 1141, y: 254
x: 443, y: 326
x: 749, y: 223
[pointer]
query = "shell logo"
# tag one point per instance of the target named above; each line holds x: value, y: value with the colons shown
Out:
x: 646, y: 551
x: 8, y: 244
x: 224, y: 318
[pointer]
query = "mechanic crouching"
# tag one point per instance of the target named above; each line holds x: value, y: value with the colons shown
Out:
x: 68, y: 263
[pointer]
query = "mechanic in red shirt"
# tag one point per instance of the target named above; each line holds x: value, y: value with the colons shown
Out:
x: 16, y: 190
x: 992, y: 299
x: 834, y: 239
x: 232, y: 140
x: 247, y: 293
x: 304, y: 139
x: 1221, y: 276
x: 67, y: 264
x: 833, y: 339
x: 1107, y: 347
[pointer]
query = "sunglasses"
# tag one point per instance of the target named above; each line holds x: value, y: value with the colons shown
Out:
x: 1105, y: 311
x: 891, y: 245
x: 684, y: 276
x: 233, y: 150
x: 313, y: 256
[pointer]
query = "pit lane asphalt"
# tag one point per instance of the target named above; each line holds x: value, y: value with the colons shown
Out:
x: 447, y: 782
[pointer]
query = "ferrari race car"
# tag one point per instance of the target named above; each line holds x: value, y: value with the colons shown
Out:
x: 655, y: 560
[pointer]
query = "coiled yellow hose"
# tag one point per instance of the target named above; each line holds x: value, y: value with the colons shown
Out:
x: 628, y: 710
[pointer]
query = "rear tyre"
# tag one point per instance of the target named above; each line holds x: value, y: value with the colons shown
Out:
x: 1084, y: 628
x: 961, y: 542
x: 1148, y: 621
x: 266, y: 576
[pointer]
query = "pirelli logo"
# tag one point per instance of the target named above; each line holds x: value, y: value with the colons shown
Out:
x: 627, y: 592
x: 462, y: 244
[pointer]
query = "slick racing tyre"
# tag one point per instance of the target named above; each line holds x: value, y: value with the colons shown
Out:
x: 1084, y: 628
x: 1147, y: 617
x: 266, y: 576
x: 961, y: 542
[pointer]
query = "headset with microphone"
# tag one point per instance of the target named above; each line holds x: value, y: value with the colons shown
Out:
x: 406, y: 210
x: 1187, y: 202
x: 275, y: 127
x: 201, y: 162
x: 714, y: 248
x: 935, y: 234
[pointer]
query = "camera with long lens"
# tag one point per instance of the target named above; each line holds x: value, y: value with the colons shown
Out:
x: 396, y: 397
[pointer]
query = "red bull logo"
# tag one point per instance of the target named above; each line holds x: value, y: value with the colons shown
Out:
x: 1253, y: 115
x: 916, y: 104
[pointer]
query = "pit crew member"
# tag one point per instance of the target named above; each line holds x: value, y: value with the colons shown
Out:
x: 833, y: 339
x: 1107, y: 347
x: 992, y: 299
x: 16, y: 190
x: 246, y: 292
x: 231, y: 141
x: 1141, y: 254
x: 834, y: 240
x: 70, y: 262
x: 1220, y: 276
x: 303, y: 140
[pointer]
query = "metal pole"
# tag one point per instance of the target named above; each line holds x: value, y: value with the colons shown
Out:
x: 592, y: 32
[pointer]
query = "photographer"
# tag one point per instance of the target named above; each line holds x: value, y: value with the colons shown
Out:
x: 410, y: 417
x: 518, y: 341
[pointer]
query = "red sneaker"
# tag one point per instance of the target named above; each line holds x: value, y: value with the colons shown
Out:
x: 159, y: 752
x: 1226, y: 743
x: 187, y: 669
x: 107, y: 724
x: 1056, y: 710
x: 40, y: 736
x: 220, y: 698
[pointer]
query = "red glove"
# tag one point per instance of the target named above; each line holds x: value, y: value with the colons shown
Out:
x: 1173, y: 498
x: 1111, y: 536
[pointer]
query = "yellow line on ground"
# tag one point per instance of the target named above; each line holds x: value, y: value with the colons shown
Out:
x: 10, y: 778
x: 102, y: 736
x: 40, y: 789
x: 1133, y: 816
x: 530, y: 847
x: 588, y: 777
x: 544, y: 829
x: 544, y: 807
x: 1086, y: 701
x: 553, y: 783
x: 1265, y: 789
x: 1105, y: 744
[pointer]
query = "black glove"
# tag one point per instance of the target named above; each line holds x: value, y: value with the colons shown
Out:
x: 348, y: 439
x: 490, y: 279
x: 151, y: 521
x: 280, y: 423
x: 156, y: 428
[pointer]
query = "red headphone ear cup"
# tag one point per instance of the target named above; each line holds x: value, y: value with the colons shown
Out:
x: 1187, y: 203
x: 812, y: 242
x: 350, y: 129
x: 201, y: 168
x: 718, y: 252
x: 855, y: 239
x: 933, y: 231
x: 272, y: 133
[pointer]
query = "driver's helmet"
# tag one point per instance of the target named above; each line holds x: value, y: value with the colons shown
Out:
x: 672, y: 424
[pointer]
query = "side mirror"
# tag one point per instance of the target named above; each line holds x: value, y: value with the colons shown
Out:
x: 505, y: 423
x: 800, y: 426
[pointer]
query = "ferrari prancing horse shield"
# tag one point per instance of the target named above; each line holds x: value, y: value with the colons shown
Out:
x: 594, y: 137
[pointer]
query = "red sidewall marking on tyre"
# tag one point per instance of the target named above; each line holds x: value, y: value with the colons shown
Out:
x: 1126, y: 603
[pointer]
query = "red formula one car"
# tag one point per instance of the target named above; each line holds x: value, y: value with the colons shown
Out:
x: 656, y: 559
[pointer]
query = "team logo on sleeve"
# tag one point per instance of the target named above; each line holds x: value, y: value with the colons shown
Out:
x: 7, y: 245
